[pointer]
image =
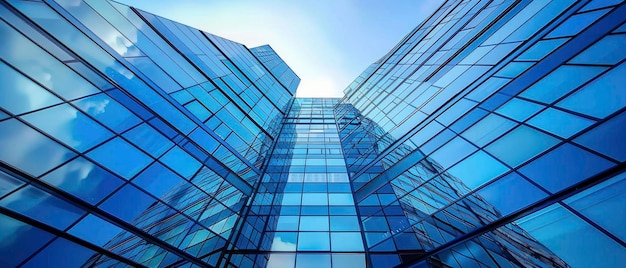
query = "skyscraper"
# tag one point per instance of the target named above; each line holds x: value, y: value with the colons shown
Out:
x: 490, y: 136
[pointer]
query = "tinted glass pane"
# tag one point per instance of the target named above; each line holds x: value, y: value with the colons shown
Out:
x: 95, y: 230
x: 305, y: 260
x: 70, y: 126
x: 42, y: 206
x: 511, y: 193
x: 607, y: 138
x: 519, y: 110
x: 314, y: 223
x: 609, y: 50
x: 564, y: 166
x: 18, y: 240
x: 560, y: 123
x: 128, y: 203
x: 284, y: 241
x: 520, y: 144
x: 108, y: 111
x: 158, y: 180
x: 121, y: 157
x: 281, y: 260
x: 559, y: 82
x: 29, y: 150
x: 572, y: 239
x: 8, y: 183
x: 488, y: 129
x: 20, y: 94
x: 181, y: 162
x: 346, y: 241
x: 149, y: 139
x: 315, y: 241
x: 83, y: 179
x: 477, y: 169
x: 55, y: 255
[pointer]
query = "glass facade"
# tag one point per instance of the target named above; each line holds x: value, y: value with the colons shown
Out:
x: 490, y: 136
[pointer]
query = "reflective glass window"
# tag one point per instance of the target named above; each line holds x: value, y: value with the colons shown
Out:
x: 158, y: 180
x: 108, y: 111
x: 346, y: 241
x: 42, y: 206
x: 601, y: 97
x: 85, y: 230
x: 604, y: 204
x: 519, y: 110
x: 8, y: 183
x: 314, y: 223
x: 20, y: 94
x: 510, y: 193
x: 181, y: 162
x: 287, y: 223
x: 560, y: 123
x: 128, y: 203
x: 607, y: 138
x: 19, y: 240
x: 477, y: 169
x: 354, y: 260
x: 149, y: 139
x: 70, y: 126
x: 460, y: 148
x: 541, y: 49
x: 560, y: 82
x: 56, y: 254
x: 520, y: 145
x: 487, y: 129
x: 281, y: 260
x: 608, y: 50
x: 344, y: 223
x: 308, y: 260
x: 576, y: 23
x: 572, y: 239
x: 284, y: 241
x: 83, y: 179
x: 314, y: 241
x: 121, y: 157
x: 564, y: 166
x: 29, y: 150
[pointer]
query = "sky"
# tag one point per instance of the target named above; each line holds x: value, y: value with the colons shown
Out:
x: 327, y: 43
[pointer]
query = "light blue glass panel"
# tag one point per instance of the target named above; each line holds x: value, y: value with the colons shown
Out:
x: 488, y: 129
x: 181, y: 162
x: 346, y: 241
x: 560, y: 123
x: 287, y: 223
x: 42, y: 206
x: 19, y: 240
x: 452, y: 152
x: 344, y: 223
x: 314, y: 223
x: 601, y: 97
x: 70, y: 126
x: 29, y: 150
x: 314, y: 199
x: 353, y: 260
x: 281, y: 260
x: 477, y: 169
x: 314, y: 241
x: 607, y: 138
x: 121, y: 157
x: 149, y: 139
x: 519, y: 110
x: 56, y: 254
x: 84, y: 179
x: 308, y: 260
x: 340, y: 199
x: 291, y: 199
x: 8, y: 183
x: 284, y: 241
x: 3, y: 115
x: 85, y: 230
x: 609, y: 50
x: 510, y: 193
x: 541, y: 49
x: 514, y: 69
x: 108, y: 111
x: 576, y: 23
x: 572, y: 239
x: 20, y: 94
x: 563, y: 167
x: 520, y: 145
x: 604, y: 204
x: 560, y: 82
x: 600, y: 4
x: 41, y: 66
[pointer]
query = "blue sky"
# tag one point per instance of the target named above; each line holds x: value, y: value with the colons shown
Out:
x: 328, y: 43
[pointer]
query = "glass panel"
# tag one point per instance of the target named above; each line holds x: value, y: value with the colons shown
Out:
x: 572, y: 239
x: 354, y: 260
x: 20, y: 94
x: 158, y: 180
x: 452, y: 152
x: 70, y: 126
x: 510, y: 193
x: 607, y: 138
x: 346, y: 241
x: 149, y: 139
x: 560, y: 123
x: 314, y: 223
x: 29, y: 150
x: 284, y: 241
x: 281, y: 260
x: 42, y: 206
x: 128, y: 203
x: 108, y: 112
x: 560, y: 82
x: 181, y: 162
x: 576, y: 23
x: 8, y: 183
x: 121, y: 157
x: 609, y: 50
x: 488, y: 129
x: 85, y: 230
x: 604, y: 204
x: 541, y: 49
x: 18, y: 240
x: 344, y: 223
x: 563, y: 167
x: 519, y: 110
x: 601, y: 97
x: 307, y: 260
x: 84, y: 179
x: 315, y: 241
x: 477, y: 169
x: 56, y: 254
x: 520, y: 145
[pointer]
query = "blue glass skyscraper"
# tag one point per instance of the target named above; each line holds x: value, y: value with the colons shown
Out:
x: 490, y: 136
